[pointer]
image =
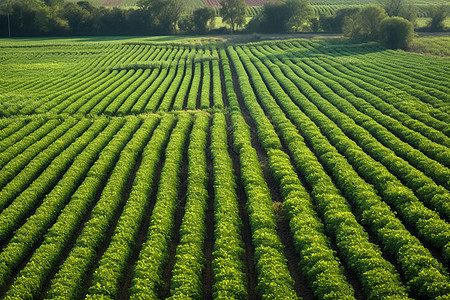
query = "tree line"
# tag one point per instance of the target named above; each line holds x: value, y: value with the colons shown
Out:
x: 160, y: 17
x: 60, y: 18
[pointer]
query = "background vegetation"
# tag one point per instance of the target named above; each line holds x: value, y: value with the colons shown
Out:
x: 158, y: 17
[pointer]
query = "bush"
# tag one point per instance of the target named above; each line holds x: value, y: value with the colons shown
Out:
x: 438, y: 15
x: 365, y: 24
x: 396, y: 32
x: 283, y: 16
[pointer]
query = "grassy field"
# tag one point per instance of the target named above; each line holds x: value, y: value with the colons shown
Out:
x: 223, y: 168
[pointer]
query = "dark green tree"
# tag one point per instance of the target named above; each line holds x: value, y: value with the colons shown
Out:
x: 164, y: 14
x: 335, y: 22
x: 365, y: 24
x: 283, y: 16
x: 202, y: 18
x: 396, y: 32
x: 400, y: 8
x: 234, y: 13
x: 78, y: 17
x: 299, y: 13
x: 438, y: 15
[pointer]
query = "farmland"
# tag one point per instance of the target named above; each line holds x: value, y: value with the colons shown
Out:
x: 198, y: 169
x: 319, y: 6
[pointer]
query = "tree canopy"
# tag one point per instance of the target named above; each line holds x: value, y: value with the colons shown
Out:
x: 396, y: 32
x: 365, y: 24
x: 283, y: 16
x: 233, y: 13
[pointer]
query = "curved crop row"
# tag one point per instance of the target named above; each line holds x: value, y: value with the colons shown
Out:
x: 159, y: 75
x: 28, y: 235
x: 378, y: 277
x: 174, y: 66
x: 206, y: 82
x: 33, y: 276
x: 13, y: 134
x: 427, y: 222
x: 216, y: 82
x: 79, y: 88
x: 16, y: 149
x: 38, y: 164
x: 183, y: 89
x: 195, y: 84
x: 68, y: 280
x: 400, y: 134
x: 430, y: 283
x: 435, y: 196
x: 405, y: 114
x: 9, y: 127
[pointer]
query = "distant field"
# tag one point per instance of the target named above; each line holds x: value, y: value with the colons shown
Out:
x: 201, y: 168
x: 320, y: 6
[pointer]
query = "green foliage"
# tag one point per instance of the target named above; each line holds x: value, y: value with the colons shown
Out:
x: 431, y: 45
x: 203, y: 18
x: 107, y: 277
x: 356, y: 138
x: 400, y: 8
x: 189, y: 259
x: 438, y: 15
x: 365, y: 24
x: 233, y: 13
x: 335, y: 22
x: 68, y: 280
x: 396, y: 32
x: 229, y: 276
x: 282, y: 16
x: 154, y: 254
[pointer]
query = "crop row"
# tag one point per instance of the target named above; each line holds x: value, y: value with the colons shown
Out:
x: 54, y: 100
x: 127, y: 79
x: 410, y: 208
x: 52, y: 250
x: 153, y: 256
x: 377, y: 276
x: 229, y: 278
x: 13, y: 184
x: 435, y: 196
x: 189, y: 259
x: 333, y: 161
x: 318, y: 260
x: 110, y: 271
x: 29, y: 235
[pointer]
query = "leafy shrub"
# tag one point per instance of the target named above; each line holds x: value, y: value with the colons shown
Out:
x: 396, y: 32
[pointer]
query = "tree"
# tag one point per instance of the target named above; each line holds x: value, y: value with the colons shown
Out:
x: 315, y: 24
x: 78, y: 17
x: 335, y: 22
x: 299, y: 14
x: 203, y: 18
x: 399, y: 8
x: 438, y: 15
x: 396, y: 32
x: 283, y: 16
x: 164, y: 14
x: 186, y: 24
x: 365, y: 24
x: 233, y: 13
